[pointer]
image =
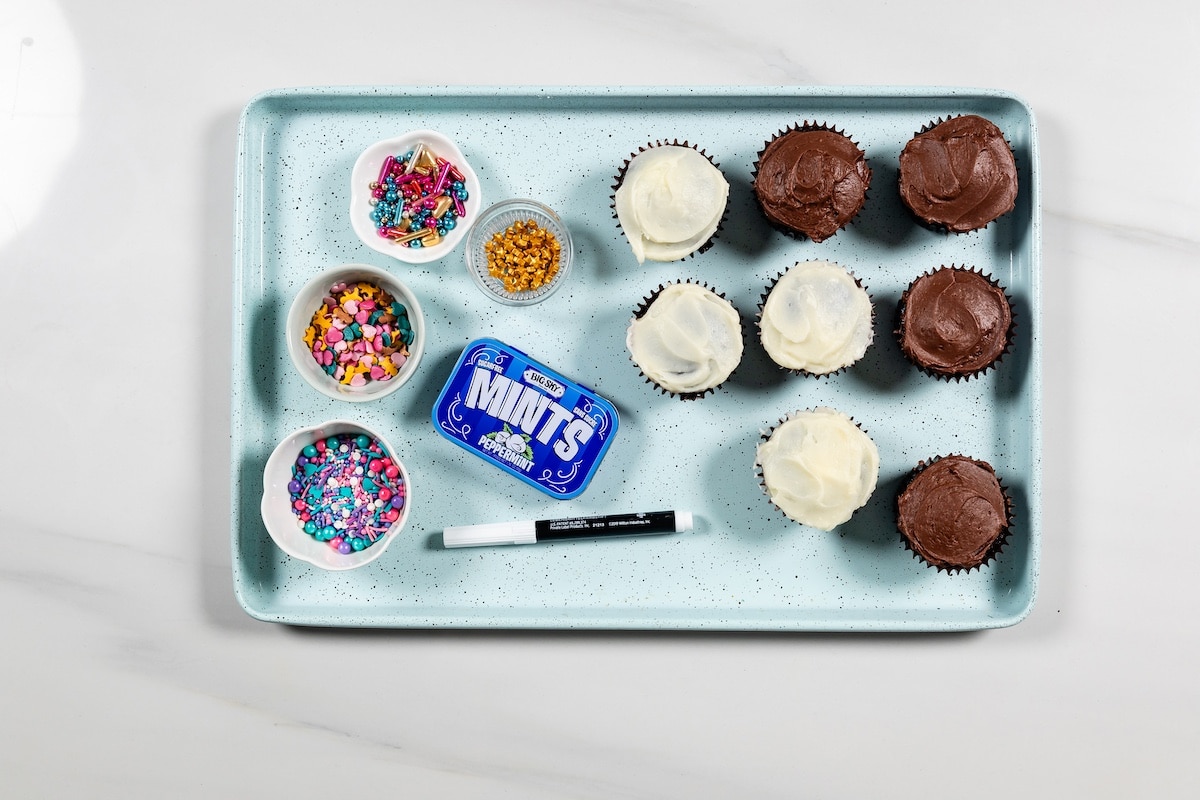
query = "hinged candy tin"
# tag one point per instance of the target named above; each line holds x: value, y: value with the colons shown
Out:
x: 525, y: 418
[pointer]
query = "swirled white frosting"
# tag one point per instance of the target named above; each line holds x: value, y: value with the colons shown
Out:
x: 670, y: 202
x: 689, y: 339
x: 818, y: 467
x: 816, y: 319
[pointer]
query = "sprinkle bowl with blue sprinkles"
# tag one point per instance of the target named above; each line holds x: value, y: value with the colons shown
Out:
x: 414, y: 197
x: 335, y: 495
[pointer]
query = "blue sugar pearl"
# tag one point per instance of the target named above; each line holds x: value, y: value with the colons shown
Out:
x: 457, y: 185
x: 461, y: 194
x: 357, y: 544
x: 363, y: 442
x: 448, y: 223
x: 331, y: 442
x: 391, y: 196
x: 441, y: 231
x: 310, y: 528
x: 415, y: 243
x: 328, y: 532
x: 310, y: 451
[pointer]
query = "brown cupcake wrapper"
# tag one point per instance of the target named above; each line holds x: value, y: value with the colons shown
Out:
x: 762, y: 302
x: 619, y: 179
x: 1010, y: 334
x: 937, y: 227
x: 644, y: 306
x: 997, y: 546
x: 765, y: 434
x: 806, y: 126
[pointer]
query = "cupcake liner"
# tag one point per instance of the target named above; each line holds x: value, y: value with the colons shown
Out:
x: 644, y: 306
x: 619, y: 179
x: 948, y: 376
x: 805, y: 127
x: 993, y: 550
x: 762, y: 302
x: 935, y: 226
x: 766, y: 433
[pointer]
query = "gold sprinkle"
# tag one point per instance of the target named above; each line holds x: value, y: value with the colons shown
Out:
x: 524, y: 257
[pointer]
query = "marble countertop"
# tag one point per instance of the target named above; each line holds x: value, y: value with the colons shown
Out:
x: 129, y: 668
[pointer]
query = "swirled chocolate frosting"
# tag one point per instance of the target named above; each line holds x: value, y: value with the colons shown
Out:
x: 959, y: 175
x: 953, y: 513
x: 811, y: 182
x: 954, y: 322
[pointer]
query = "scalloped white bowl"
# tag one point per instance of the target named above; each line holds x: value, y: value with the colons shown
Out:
x: 366, y: 169
x: 284, y: 527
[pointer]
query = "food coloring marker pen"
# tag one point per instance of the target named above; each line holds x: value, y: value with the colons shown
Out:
x: 549, y: 530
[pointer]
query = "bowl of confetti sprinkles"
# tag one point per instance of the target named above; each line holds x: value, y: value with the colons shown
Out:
x: 413, y: 197
x: 335, y: 495
x: 355, y: 333
x: 519, y: 252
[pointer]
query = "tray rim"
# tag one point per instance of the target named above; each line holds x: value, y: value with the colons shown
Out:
x: 628, y: 619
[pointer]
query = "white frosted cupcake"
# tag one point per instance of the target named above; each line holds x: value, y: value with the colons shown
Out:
x: 670, y: 200
x: 686, y: 339
x: 818, y: 467
x: 816, y: 319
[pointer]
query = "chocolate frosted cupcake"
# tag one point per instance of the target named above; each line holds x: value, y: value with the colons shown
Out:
x: 953, y: 513
x: 811, y: 181
x: 815, y: 319
x: 686, y: 338
x: 670, y: 200
x: 818, y: 467
x: 958, y: 175
x: 954, y: 323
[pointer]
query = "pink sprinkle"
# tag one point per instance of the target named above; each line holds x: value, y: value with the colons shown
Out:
x: 443, y: 175
x: 358, y: 380
x: 350, y: 307
x: 377, y: 373
x: 361, y: 317
x: 387, y: 168
x: 459, y: 208
x: 399, y: 358
x: 333, y: 335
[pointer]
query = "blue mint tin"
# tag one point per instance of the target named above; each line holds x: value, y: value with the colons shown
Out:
x: 525, y: 418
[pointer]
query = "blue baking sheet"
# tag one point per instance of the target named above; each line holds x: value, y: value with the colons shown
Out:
x: 745, y: 567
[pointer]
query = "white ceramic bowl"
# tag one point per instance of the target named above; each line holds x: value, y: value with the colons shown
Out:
x: 284, y: 526
x: 367, y: 169
x: 309, y: 299
x: 495, y: 220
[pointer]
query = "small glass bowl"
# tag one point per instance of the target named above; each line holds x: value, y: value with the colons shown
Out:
x: 367, y: 169
x: 495, y: 220
x: 309, y: 299
x: 284, y: 526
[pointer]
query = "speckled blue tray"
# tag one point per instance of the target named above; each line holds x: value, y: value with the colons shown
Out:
x: 746, y: 567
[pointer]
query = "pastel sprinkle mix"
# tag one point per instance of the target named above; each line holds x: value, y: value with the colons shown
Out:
x: 418, y: 198
x: 360, y: 334
x: 345, y: 490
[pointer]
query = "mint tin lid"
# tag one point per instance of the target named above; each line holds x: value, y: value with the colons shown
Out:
x: 525, y: 418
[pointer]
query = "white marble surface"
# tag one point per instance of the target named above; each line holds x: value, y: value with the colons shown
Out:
x: 128, y: 668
